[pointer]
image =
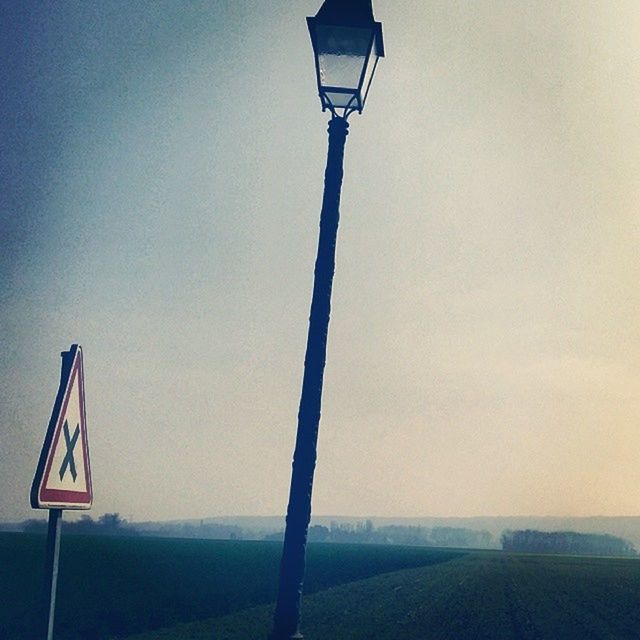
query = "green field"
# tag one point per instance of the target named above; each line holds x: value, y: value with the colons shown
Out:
x: 112, y: 586
x: 117, y: 587
x: 478, y: 596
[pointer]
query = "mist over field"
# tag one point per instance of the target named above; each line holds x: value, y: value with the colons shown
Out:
x: 474, y: 533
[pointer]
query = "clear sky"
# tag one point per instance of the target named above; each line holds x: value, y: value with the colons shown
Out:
x: 161, y: 177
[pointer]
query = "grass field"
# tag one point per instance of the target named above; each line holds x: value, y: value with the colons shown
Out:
x: 477, y: 596
x: 117, y: 586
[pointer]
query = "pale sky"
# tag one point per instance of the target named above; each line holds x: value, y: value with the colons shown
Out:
x: 161, y: 178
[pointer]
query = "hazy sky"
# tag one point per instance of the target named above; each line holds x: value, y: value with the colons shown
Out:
x: 161, y: 178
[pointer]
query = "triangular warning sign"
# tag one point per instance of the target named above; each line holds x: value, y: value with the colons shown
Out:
x: 63, y: 476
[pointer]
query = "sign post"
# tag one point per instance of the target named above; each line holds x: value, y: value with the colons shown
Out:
x: 51, y: 569
x: 63, y: 475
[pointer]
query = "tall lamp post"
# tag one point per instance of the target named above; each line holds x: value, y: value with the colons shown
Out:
x: 347, y: 43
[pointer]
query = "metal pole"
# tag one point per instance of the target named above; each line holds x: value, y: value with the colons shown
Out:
x: 51, y: 569
x: 286, y: 624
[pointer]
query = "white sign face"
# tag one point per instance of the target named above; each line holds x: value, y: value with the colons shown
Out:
x: 63, y: 478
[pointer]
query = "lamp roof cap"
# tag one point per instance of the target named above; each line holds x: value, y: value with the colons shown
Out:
x: 346, y: 12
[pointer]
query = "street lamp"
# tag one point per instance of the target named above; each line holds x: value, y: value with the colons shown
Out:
x: 347, y: 43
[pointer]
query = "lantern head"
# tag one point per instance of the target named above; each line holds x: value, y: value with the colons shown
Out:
x: 347, y: 43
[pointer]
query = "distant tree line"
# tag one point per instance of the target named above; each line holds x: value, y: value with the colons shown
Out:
x: 210, y: 530
x: 569, y: 542
x: 360, y: 532
x: 109, y: 524
x: 366, y: 533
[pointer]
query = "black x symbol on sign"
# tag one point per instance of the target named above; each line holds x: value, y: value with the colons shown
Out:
x: 68, y: 459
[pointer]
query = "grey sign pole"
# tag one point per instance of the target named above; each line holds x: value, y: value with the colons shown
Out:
x: 51, y: 569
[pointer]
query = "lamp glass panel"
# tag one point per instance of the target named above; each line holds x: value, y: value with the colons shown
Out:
x: 368, y: 74
x: 340, y: 100
x: 342, y: 53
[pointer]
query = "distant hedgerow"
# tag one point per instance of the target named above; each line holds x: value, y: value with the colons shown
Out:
x: 569, y: 542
